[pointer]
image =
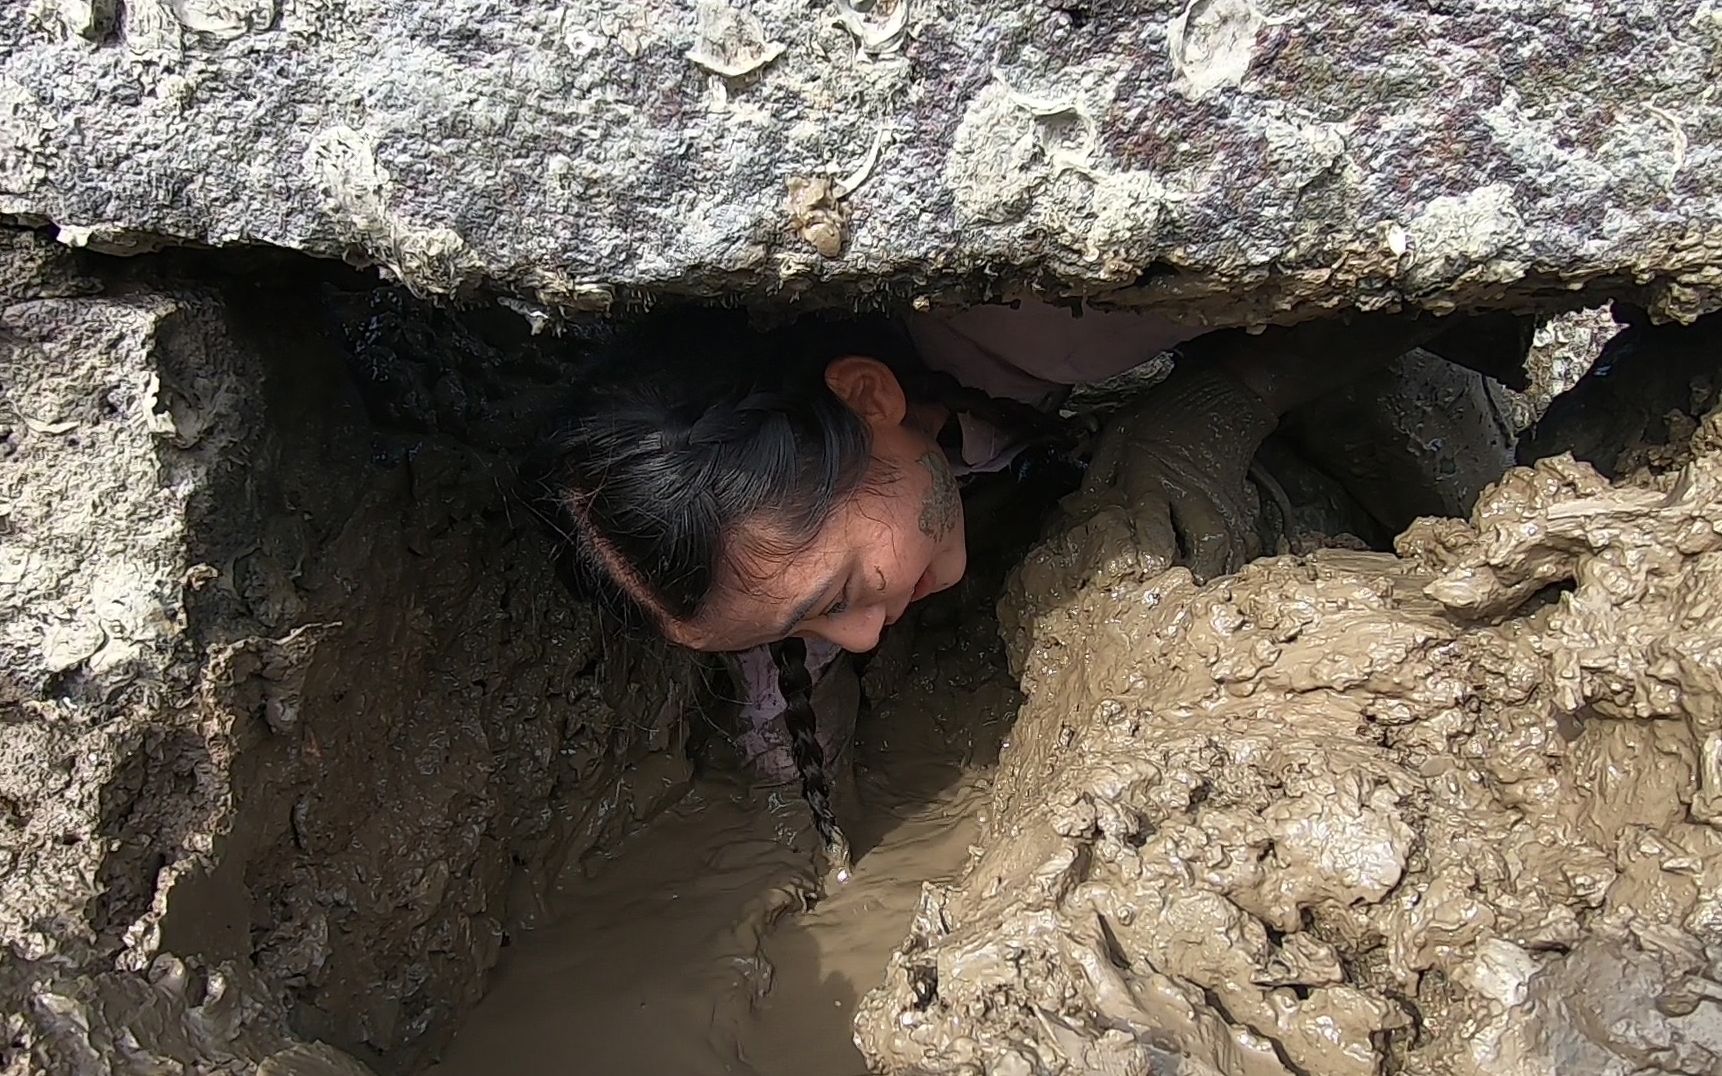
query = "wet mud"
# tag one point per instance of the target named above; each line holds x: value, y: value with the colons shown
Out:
x: 1448, y: 810
x: 706, y: 944
x: 695, y: 950
x: 292, y: 706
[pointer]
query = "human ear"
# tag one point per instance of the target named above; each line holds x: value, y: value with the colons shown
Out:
x: 869, y: 388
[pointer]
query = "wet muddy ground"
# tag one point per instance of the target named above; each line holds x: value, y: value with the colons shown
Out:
x: 701, y: 945
x: 1441, y: 812
x: 690, y: 952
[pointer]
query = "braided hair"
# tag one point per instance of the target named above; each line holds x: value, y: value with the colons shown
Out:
x: 799, y: 721
x: 689, y: 424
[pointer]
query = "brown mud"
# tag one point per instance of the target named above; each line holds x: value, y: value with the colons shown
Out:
x: 702, y: 945
x: 342, y: 741
x: 1449, y: 811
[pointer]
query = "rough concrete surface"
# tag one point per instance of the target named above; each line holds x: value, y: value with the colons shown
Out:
x: 1231, y: 160
x: 291, y: 702
x: 1563, y: 350
x: 1450, y: 811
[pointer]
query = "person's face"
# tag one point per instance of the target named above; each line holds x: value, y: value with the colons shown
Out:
x: 895, y: 540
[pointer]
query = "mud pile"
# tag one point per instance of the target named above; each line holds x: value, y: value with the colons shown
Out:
x: 1452, y: 811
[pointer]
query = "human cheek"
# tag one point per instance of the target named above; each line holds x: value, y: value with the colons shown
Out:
x: 913, y: 555
x: 895, y: 552
x: 945, y: 564
x: 857, y: 630
x: 955, y: 555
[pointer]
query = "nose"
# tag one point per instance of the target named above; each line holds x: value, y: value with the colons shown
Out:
x: 858, y: 632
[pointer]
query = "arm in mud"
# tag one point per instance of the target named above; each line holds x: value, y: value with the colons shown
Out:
x: 1176, y: 463
x: 1287, y: 366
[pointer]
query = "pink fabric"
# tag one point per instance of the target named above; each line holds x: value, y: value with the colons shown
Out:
x: 1033, y: 352
x: 764, y: 743
x: 986, y: 448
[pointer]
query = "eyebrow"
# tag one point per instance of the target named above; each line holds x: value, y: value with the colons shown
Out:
x: 806, y: 607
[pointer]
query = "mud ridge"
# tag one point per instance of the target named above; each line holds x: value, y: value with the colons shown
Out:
x: 1446, y: 811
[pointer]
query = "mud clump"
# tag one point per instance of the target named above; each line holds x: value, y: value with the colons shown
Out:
x: 1450, y: 811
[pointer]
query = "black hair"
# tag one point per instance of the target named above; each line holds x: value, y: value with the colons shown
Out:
x: 689, y: 424
x: 801, y: 723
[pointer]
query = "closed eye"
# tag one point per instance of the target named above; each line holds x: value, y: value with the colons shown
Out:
x: 839, y: 606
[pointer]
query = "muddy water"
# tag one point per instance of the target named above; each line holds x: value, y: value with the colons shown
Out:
x: 701, y: 946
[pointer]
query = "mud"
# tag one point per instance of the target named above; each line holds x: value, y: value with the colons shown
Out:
x: 1447, y: 811
x: 292, y: 709
x: 705, y: 944
x: 303, y: 751
x: 1565, y: 348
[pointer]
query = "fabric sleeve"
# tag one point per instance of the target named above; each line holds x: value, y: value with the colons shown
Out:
x: 1033, y: 350
x: 763, y: 703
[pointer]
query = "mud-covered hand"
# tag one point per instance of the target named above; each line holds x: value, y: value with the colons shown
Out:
x: 1165, y: 487
x: 1177, y: 464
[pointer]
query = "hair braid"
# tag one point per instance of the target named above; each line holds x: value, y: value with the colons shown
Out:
x: 800, y: 722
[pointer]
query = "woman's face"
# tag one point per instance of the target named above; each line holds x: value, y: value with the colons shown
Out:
x: 894, y: 541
